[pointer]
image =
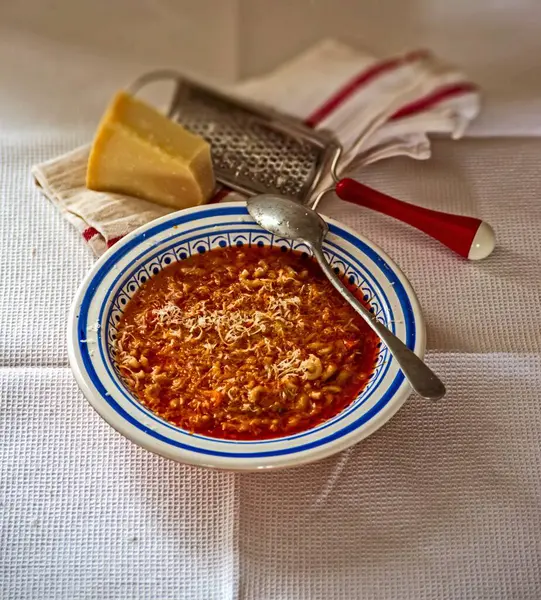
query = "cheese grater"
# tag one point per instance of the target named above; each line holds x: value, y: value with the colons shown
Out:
x: 256, y: 150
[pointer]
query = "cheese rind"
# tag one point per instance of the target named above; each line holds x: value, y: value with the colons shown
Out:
x: 140, y: 152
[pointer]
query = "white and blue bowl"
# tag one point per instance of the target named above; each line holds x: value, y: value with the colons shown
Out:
x: 115, y: 278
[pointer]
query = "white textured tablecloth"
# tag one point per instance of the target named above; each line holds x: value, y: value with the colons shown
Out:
x: 443, y: 502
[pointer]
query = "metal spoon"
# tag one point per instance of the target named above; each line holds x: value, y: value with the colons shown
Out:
x: 289, y: 219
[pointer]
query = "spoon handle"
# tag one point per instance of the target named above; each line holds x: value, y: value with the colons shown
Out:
x: 422, y: 379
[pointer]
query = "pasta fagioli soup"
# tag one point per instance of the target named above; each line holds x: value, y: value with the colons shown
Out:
x: 244, y: 343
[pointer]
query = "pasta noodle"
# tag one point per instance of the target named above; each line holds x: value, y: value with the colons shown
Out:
x: 243, y: 343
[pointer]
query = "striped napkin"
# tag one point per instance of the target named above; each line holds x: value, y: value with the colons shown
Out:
x: 376, y: 108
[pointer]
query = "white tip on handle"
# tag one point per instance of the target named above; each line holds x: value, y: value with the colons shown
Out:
x: 483, y: 242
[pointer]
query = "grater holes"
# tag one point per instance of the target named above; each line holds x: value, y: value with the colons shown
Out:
x: 244, y: 147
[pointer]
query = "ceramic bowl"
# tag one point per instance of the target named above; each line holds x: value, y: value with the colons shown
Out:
x: 115, y: 278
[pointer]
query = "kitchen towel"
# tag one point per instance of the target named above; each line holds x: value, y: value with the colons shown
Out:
x: 375, y: 108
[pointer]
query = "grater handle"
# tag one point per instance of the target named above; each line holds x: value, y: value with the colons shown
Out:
x: 467, y: 236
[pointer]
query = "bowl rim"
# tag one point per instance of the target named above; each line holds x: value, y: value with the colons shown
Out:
x: 334, y: 446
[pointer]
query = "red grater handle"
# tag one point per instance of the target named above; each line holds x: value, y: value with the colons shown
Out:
x: 469, y: 237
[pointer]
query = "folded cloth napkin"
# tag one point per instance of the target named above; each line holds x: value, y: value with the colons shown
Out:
x: 375, y: 108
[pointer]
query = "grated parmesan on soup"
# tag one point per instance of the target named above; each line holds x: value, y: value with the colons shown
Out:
x: 244, y: 343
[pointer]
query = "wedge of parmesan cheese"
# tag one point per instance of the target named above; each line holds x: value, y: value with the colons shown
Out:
x: 140, y: 152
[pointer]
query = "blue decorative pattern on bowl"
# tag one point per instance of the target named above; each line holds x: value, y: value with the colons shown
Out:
x: 114, y: 280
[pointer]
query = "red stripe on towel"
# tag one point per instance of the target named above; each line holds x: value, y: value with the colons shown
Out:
x: 220, y: 195
x: 114, y: 240
x: 439, y: 95
x: 353, y: 85
x: 89, y: 233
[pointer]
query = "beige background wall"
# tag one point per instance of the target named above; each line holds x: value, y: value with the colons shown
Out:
x: 497, y: 41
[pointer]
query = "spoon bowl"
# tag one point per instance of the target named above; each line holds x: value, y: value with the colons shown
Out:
x: 287, y: 218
